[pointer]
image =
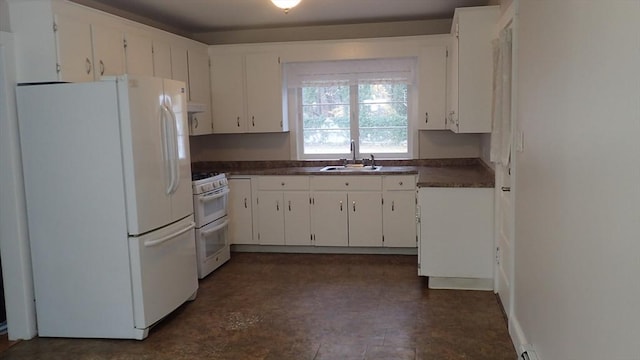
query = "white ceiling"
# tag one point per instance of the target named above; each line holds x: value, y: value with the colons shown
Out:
x: 195, y: 16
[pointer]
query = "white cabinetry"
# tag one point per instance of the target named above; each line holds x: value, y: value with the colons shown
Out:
x: 138, y: 51
x: 240, y: 211
x: 432, y: 90
x: 199, y: 91
x: 73, y: 39
x: 471, y: 68
x: 246, y: 92
x: 108, y: 50
x: 399, y: 211
x: 162, y: 60
x: 283, y: 210
x: 456, y: 237
x: 346, y: 210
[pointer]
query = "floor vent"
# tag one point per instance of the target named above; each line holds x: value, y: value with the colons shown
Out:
x: 528, y: 353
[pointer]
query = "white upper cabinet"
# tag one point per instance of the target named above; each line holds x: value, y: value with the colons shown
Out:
x: 199, y: 91
x: 108, y: 50
x: 180, y: 66
x: 432, y: 88
x: 138, y: 54
x: 162, y: 60
x: 246, y: 92
x: 73, y: 39
x: 471, y: 68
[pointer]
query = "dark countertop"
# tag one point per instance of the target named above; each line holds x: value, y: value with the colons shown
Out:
x: 431, y: 173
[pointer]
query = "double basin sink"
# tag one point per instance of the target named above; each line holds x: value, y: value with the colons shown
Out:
x: 351, y: 168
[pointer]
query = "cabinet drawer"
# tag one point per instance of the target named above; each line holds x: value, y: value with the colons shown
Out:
x: 346, y: 183
x: 283, y: 183
x: 399, y: 182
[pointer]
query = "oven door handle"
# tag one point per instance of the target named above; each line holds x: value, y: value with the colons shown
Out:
x: 170, y: 236
x: 215, y: 196
x: 225, y: 223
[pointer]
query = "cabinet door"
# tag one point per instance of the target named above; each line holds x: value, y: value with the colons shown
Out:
x: 161, y: 60
x: 180, y: 67
x: 200, y: 91
x: 456, y: 232
x: 297, y: 218
x: 75, y: 58
x: 138, y: 55
x: 227, y: 94
x: 240, y: 218
x: 329, y: 218
x: 270, y: 218
x: 108, y: 51
x: 452, y: 99
x: 264, y: 92
x: 399, y: 219
x: 365, y: 218
x: 432, y: 88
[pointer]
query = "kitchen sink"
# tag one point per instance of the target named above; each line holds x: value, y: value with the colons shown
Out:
x: 350, y: 168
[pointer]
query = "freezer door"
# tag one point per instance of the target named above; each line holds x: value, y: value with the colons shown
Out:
x: 176, y: 101
x: 164, y: 271
x: 146, y: 153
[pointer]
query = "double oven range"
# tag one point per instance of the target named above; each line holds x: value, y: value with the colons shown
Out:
x: 210, y: 203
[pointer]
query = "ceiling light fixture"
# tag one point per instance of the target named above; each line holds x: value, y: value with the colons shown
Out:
x: 285, y: 5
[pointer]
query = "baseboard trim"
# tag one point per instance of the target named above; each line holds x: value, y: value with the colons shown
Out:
x: 323, y: 250
x: 456, y: 283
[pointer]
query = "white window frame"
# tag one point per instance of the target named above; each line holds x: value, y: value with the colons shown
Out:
x: 355, y: 130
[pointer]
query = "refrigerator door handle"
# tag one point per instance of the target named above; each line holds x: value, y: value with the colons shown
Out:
x: 174, y: 143
x: 166, y: 148
x: 157, y: 242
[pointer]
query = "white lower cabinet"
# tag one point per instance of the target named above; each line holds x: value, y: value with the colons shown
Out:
x: 456, y: 237
x: 240, y: 211
x: 283, y: 210
x: 399, y: 211
x: 347, y: 210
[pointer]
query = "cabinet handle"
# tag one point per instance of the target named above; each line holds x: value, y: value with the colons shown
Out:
x: 354, y: 206
x: 506, y: 188
x: 245, y: 203
x: 346, y: 184
x: 340, y: 205
x: 101, y: 67
x: 238, y: 121
x: 400, y: 183
x: 282, y: 183
x: 393, y: 206
x: 195, y: 122
x: 289, y: 205
x: 253, y: 122
x: 277, y: 205
x: 88, y: 65
x: 426, y: 117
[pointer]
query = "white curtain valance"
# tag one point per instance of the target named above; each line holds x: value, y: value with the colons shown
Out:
x: 350, y: 72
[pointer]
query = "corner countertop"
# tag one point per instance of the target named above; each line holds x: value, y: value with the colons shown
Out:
x: 431, y: 172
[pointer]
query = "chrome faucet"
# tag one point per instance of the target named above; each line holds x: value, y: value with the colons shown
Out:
x: 353, y: 150
x: 373, y: 162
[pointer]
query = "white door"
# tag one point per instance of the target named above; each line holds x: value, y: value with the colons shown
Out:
x: 75, y: 59
x: 163, y: 271
x: 161, y: 60
x: 139, y: 55
x: 145, y: 158
x: 270, y: 218
x: 264, y: 93
x: 365, y: 218
x: 399, y: 219
x: 108, y: 51
x: 433, y: 85
x: 297, y: 218
x: 227, y: 94
x: 329, y: 218
x: 240, y: 220
x: 181, y: 202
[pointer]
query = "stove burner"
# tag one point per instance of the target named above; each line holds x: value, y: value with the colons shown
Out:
x: 202, y: 175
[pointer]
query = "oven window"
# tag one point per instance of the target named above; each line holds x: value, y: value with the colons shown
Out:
x: 215, y: 241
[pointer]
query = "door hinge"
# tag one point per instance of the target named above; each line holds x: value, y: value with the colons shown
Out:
x: 58, y: 68
x: 383, y: 239
x: 124, y: 43
x: 258, y: 236
x: 257, y: 201
x: 447, y: 53
x: 418, y: 265
x: 55, y: 27
x: 278, y: 59
x: 416, y: 239
x: 382, y: 201
x: 498, y: 255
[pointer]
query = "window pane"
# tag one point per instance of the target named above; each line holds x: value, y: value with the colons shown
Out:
x: 325, y: 119
x: 383, y: 121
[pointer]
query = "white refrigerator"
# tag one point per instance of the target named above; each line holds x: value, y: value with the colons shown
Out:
x: 109, y: 205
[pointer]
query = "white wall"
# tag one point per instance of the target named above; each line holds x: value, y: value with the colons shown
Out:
x: 578, y: 179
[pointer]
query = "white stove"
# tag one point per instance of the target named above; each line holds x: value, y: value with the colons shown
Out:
x: 210, y: 203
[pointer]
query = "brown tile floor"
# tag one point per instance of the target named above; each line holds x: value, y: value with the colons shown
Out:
x: 290, y: 306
